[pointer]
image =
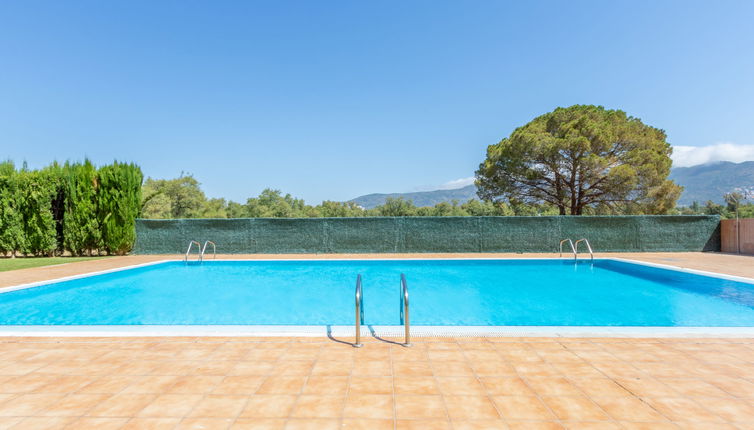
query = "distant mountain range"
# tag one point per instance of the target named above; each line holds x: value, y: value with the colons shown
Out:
x: 701, y: 183
x: 711, y: 181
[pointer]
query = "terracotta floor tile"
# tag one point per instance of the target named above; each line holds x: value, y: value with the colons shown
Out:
x: 65, y: 384
x: 732, y: 410
x: 151, y: 424
x: 373, y: 368
x: 317, y: 406
x: 312, y: 424
x: 26, y: 383
x: 371, y: 385
x: 150, y: 384
x: 282, y: 385
x: 738, y: 387
x: 219, y: 406
x: 600, y: 387
x: 694, y: 388
x: 268, y: 406
x: 171, y: 405
x: 377, y: 406
x: 553, y: 386
x: 326, y: 385
x: 252, y: 368
x: 204, y: 424
x: 419, y: 407
x: 75, y: 405
x: 682, y: 409
x: 416, y: 385
x: 293, y: 368
x: 413, y: 354
x: 460, y: 385
x: 422, y: 425
x: 195, y: 384
x: 628, y: 409
x: 470, y: 407
x: 602, y: 425
x: 476, y: 355
x: 411, y: 368
x: 522, y: 408
x: 577, y: 370
x: 258, y: 424
x: 88, y: 423
x: 651, y: 426
x: 452, y: 368
x: 238, y: 385
x: 28, y: 404
x: 506, y: 386
x: 647, y: 387
x: 331, y: 368
x: 44, y: 423
x: 480, y: 425
x: 107, y: 385
x: 121, y: 405
x: 214, y: 368
x: 534, y: 425
x: 447, y: 355
x: 705, y: 426
x: 367, y: 424
x: 493, y: 368
x: 575, y: 408
x: 8, y: 422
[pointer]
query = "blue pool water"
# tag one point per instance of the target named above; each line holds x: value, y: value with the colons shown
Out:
x: 442, y: 292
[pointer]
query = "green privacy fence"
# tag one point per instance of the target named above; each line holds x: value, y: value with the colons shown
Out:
x: 430, y: 234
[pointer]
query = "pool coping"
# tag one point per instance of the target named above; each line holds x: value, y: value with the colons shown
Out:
x: 376, y: 330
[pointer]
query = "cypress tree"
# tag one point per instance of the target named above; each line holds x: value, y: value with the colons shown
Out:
x: 36, y: 189
x: 81, y: 230
x: 11, y: 220
x: 118, y: 205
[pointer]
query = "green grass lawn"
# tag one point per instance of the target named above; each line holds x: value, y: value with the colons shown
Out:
x: 27, y: 262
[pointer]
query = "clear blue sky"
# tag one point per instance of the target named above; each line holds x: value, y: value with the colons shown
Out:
x: 330, y: 100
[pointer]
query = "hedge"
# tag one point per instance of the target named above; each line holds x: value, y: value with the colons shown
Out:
x: 75, y: 207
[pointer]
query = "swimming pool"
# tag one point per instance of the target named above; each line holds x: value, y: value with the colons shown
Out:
x: 517, y: 292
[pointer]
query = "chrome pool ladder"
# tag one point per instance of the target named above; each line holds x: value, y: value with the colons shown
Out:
x: 588, y: 247
x: 359, y: 313
x: 404, y: 310
x: 204, y: 248
x: 188, y: 251
x: 573, y: 249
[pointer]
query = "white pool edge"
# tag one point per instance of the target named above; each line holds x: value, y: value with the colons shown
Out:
x: 392, y: 332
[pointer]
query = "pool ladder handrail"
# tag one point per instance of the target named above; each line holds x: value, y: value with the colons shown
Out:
x: 204, y: 248
x: 359, y: 312
x: 188, y: 251
x: 404, y: 310
x: 588, y: 246
x: 573, y: 249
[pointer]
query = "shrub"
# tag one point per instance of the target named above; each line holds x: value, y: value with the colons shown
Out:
x: 118, y: 205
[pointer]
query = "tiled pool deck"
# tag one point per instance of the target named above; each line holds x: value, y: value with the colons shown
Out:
x: 318, y: 383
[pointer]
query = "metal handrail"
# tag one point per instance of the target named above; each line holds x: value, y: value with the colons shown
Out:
x: 589, y: 247
x: 359, y: 312
x: 573, y: 249
x: 214, y: 249
x: 404, y: 310
x: 188, y: 251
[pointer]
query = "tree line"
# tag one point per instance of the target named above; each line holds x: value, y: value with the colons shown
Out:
x: 73, y: 207
x: 183, y: 198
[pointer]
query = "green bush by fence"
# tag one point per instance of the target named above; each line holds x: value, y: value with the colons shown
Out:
x: 430, y: 234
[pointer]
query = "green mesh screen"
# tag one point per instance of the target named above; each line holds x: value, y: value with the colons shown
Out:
x: 430, y: 234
